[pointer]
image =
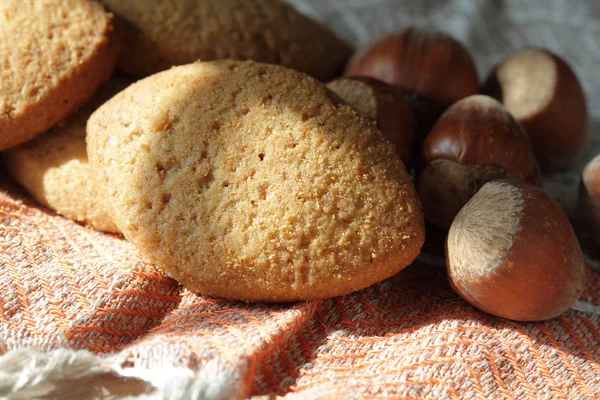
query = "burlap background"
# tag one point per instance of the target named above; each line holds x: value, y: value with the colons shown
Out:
x: 83, y: 315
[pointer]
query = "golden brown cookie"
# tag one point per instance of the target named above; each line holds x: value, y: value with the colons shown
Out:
x: 163, y: 33
x: 54, y: 168
x: 253, y: 181
x: 53, y: 56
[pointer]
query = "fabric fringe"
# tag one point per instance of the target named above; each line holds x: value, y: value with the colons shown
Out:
x: 76, y: 374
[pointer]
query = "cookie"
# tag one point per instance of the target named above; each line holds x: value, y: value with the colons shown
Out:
x: 163, y: 33
x: 54, y: 167
x: 252, y: 181
x: 53, y: 56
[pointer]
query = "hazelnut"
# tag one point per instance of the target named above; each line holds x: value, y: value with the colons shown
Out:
x: 429, y: 62
x: 474, y: 141
x: 383, y: 104
x: 512, y: 252
x: 543, y: 94
x: 589, y: 198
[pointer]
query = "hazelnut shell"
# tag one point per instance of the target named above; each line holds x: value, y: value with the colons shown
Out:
x: 478, y: 130
x: 474, y: 141
x: 588, y: 201
x: 543, y: 93
x: 512, y: 252
x: 430, y: 63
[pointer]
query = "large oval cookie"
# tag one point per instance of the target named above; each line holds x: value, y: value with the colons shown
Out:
x: 54, y: 167
x: 252, y: 181
x: 163, y: 33
x: 53, y: 56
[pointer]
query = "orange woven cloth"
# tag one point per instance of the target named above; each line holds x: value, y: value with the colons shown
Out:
x: 65, y: 286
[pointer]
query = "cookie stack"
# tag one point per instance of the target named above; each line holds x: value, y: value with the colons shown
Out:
x: 241, y: 179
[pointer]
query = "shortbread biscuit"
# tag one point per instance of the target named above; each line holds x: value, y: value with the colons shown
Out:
x: 163, y: 33
x: 53, y: 56
x: 54, y: 167
x: 252, y: 181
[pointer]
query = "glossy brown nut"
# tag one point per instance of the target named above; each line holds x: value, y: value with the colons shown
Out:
x: 478, y: 130
x: 543, y: 94
x: 512, y: 252
x: 588, y: 202
x: 474, y: 141
x: 430, y: 63
x: 386, y: 106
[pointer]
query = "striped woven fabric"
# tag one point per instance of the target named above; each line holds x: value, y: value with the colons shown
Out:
x: 83, y: 315
x: 64, y: 286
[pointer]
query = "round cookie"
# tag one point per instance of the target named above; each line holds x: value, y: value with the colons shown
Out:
x: 54, y: 167
x: 53, y: 56
x: 252, y: 181
x: 163, y: 33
